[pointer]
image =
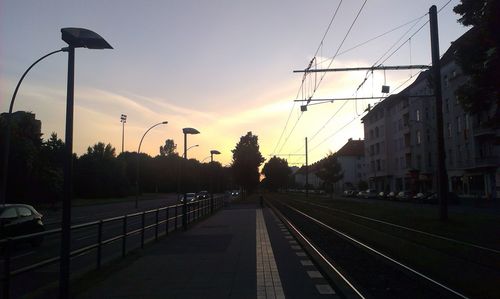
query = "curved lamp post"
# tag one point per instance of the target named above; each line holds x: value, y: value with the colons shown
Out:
x: 186, y: 131
x: 212, y: 153
x: 75, y: 38
x: 138, y: 160
x: 5, y: 169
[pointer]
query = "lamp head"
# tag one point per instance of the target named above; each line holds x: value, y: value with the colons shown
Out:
x: 214, y: 152
x: 164, y: 122
x: 84, y: 38
x: 190, y: 131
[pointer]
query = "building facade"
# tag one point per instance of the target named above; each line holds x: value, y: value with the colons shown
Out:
x: 400, y: 139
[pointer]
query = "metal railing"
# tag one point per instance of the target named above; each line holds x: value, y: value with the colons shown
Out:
x: 195, y: 211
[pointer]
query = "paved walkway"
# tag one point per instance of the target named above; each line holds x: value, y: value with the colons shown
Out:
x: 240, y: 252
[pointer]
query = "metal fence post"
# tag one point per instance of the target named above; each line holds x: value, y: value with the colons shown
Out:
x: 99, y: 244
x: 6, y: 270
x: 142, y: 229
x: 166, y: 221
x: 124, y: 240
x: 156, y: 226
x: 175, y: 219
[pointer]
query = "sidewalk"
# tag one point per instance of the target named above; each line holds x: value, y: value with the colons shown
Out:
x: 240, y: 252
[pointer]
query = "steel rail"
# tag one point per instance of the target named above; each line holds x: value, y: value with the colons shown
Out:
x: 369, y: 248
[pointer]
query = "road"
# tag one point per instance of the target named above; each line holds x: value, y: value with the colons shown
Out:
x: 25, y: 255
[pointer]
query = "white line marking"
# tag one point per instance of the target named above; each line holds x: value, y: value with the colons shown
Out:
x: 314, y: 274
x: 306, y: 263
x: 268, y: 278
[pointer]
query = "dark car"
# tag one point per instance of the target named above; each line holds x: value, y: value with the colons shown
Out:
x: 404, y: 195
x: 20, y: 219
x: 202, y: 195
x: 433, y: 198
x: 190, y: 197
x: 392, y: 195
x: 382, y: 195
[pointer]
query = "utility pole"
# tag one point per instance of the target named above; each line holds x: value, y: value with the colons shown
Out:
x: 307, y: 173
x: 442, y: 178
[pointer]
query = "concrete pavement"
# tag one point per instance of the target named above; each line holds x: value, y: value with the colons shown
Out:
x: 240, y: 252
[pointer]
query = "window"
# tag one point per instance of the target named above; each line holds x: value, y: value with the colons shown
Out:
x: 419, y: 140
x: 428, y: 135
x: 459, y: 125
x: 429, y: 159
x: 396, y: 163
x: 376, y: 132
x: 8, y: 213
x: 419, y: 162
x: 24, y: 212
x: 417, y: 115
x: 448, y: 126
x: 377, y: 148
x: 378, y: 165
x: 447, y: 105
x: 450, y: 157
x: 426, y: 113
x: 371, y: 134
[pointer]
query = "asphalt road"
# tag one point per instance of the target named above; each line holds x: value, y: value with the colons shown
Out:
x: 24, y: 254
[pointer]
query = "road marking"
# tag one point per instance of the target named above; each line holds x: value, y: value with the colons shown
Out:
x: 314, y: 274
x: 85, y: 237
x: 300, y: 253
x: 306, y: 263
x: 268, y: 278
x: 325, y: 289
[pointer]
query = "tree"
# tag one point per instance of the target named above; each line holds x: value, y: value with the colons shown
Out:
x: 478, y: 54
x: 169, y: 148
x: 277, y: 172
x: 330, y: 170
x: 246, y: 161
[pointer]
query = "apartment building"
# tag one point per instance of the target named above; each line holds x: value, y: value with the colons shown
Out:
x: 400, y: 139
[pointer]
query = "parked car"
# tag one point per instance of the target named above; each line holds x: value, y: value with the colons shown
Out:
x: 20, y: 219
x: 392, y: 195
x: 370, y: 193
x: 202, y: 195
x: 433, y: 198
x: 382, y: 195
x: 404, y: 195
x: 350, y: 193
x: 190, y: 197
x: 421, y: 196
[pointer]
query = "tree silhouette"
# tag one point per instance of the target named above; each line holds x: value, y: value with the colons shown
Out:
x: 246, y: 161
x: 169, y: 148
x: 477, y: 54
x: 277, y: 172
x: 330, y: 170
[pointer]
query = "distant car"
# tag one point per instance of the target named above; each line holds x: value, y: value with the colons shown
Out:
x: 392, y: 195
x: 433, y: 198
x: 404, y: 195
x: 382, y: 195
x: 421, y: 196
x: 350, y: 193
x: 20, y: 219
x: 190, y: 197
x: 202, y: 195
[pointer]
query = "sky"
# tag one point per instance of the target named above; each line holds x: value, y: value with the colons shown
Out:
x: 223, y: 67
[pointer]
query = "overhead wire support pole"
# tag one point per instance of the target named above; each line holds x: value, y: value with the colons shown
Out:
x: 367, y: 68
x: 442, y: 178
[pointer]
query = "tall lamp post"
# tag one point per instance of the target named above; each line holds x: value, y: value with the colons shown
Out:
x: 139, y: 159
x: 123, y: 120
x: 212, y: 153
x: 6, y: 150
x: 186, y: 131
x: 75, y: 38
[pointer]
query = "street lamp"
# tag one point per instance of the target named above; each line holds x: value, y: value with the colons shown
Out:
x: 212, y: 153
x: 138, y: 160
x: 5, y: 170
x: 123, y: 120
x: 186, y: 131
x: 75, y: 38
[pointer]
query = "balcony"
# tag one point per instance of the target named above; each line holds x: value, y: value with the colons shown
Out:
x: 491, y: 161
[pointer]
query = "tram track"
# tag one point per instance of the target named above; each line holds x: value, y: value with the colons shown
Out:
x: 374, y: 273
